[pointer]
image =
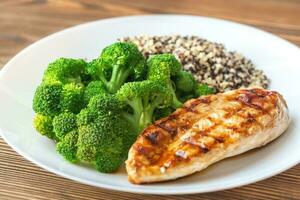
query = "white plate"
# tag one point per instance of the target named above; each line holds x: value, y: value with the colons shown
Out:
x: 277, y: 57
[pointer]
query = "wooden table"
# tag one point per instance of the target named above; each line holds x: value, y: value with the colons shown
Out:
x: 24, y: 22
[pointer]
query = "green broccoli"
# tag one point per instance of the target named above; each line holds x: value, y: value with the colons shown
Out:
x: 188, y: 88
x: 47, y: 98
x: 164, y: 62
x: 204, y: 89
x: 67, y: 146
x: 185, y: 82
x: 143, y: 98
x: 50, y: 99
x: 71, y: 98
x: 161, y: 68
x: 120, y: 61
x: 92, y: 69
x: 65, y: 70
x: 65, y: 129
x: 111, y: 157
x: 62, y: 90
x: 63, y: 124
x: 43, y: 124
x: 104, y: 135
x: 92, y: 89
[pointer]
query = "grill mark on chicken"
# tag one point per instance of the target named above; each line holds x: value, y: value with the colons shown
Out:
x: 250, y: 121
x: 141, y: 149
x: 202, y: 126
x: 170, y: 127
x: 204, y: 100
x: 247, y: 99
x: 253, y: 97
x: 190, y: 141
x: 190, y: 109
x: 171, y: 117
x: 152, y: 137
x: 220, y: 140
x: 204, y: 150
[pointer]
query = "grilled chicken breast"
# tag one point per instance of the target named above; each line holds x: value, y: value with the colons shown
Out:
x: 204, y: 131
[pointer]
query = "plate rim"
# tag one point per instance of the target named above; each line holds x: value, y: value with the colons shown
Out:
x: 136, y: 189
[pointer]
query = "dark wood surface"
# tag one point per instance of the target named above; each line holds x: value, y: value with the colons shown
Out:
x: 24, y: 22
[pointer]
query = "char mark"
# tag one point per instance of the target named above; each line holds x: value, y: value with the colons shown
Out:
x: 220, y: 140
x: 189, y: 141
x: 260, y: 93
x: 152, y: 137
x: 172, y: 117
x: 168, y: 128
x: 204, y: 149
x: 247, y: 98
x: 190, y: 109
x: 251, y: 97
x: 200, y: 100
x: 141, y: 149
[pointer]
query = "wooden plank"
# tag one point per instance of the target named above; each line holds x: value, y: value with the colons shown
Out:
x: 23, y: 22
x: 21, y: 178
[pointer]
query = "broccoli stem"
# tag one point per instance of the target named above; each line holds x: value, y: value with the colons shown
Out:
x: 145, y: 120
x: 142, y: 112
x: 147, y: 115
x: 176, y: 103
x: 102, y: 78
x: 137, y: 107
x: 118, y: 78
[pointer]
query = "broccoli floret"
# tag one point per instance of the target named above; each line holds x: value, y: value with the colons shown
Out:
x: 185, y: 82
x: 185, y: 85
x: 104, y: 134
x: 71, y: 98
x: 92, y: 89
x: 204, y: 89
x: 88, y: 142
x: 65, y: 129
x: 63, y: 124
x: 110, y: 160
x: 143, y: 98
x: 65, y: 70
x: 161, y: 68
x: 50, y: 99
x: 67, y: 146
x: 43, y: 124
x: 121, y: 61
x: 62, y: 89
x: 168, y: 63
x: 92, y: 68
x: 47, y: 98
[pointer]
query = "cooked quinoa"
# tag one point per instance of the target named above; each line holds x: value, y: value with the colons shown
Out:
x: 209, y: 62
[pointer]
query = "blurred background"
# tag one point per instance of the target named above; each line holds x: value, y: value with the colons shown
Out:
x: 23, y: 22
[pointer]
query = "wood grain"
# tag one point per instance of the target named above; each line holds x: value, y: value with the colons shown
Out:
x: 23, y: 22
